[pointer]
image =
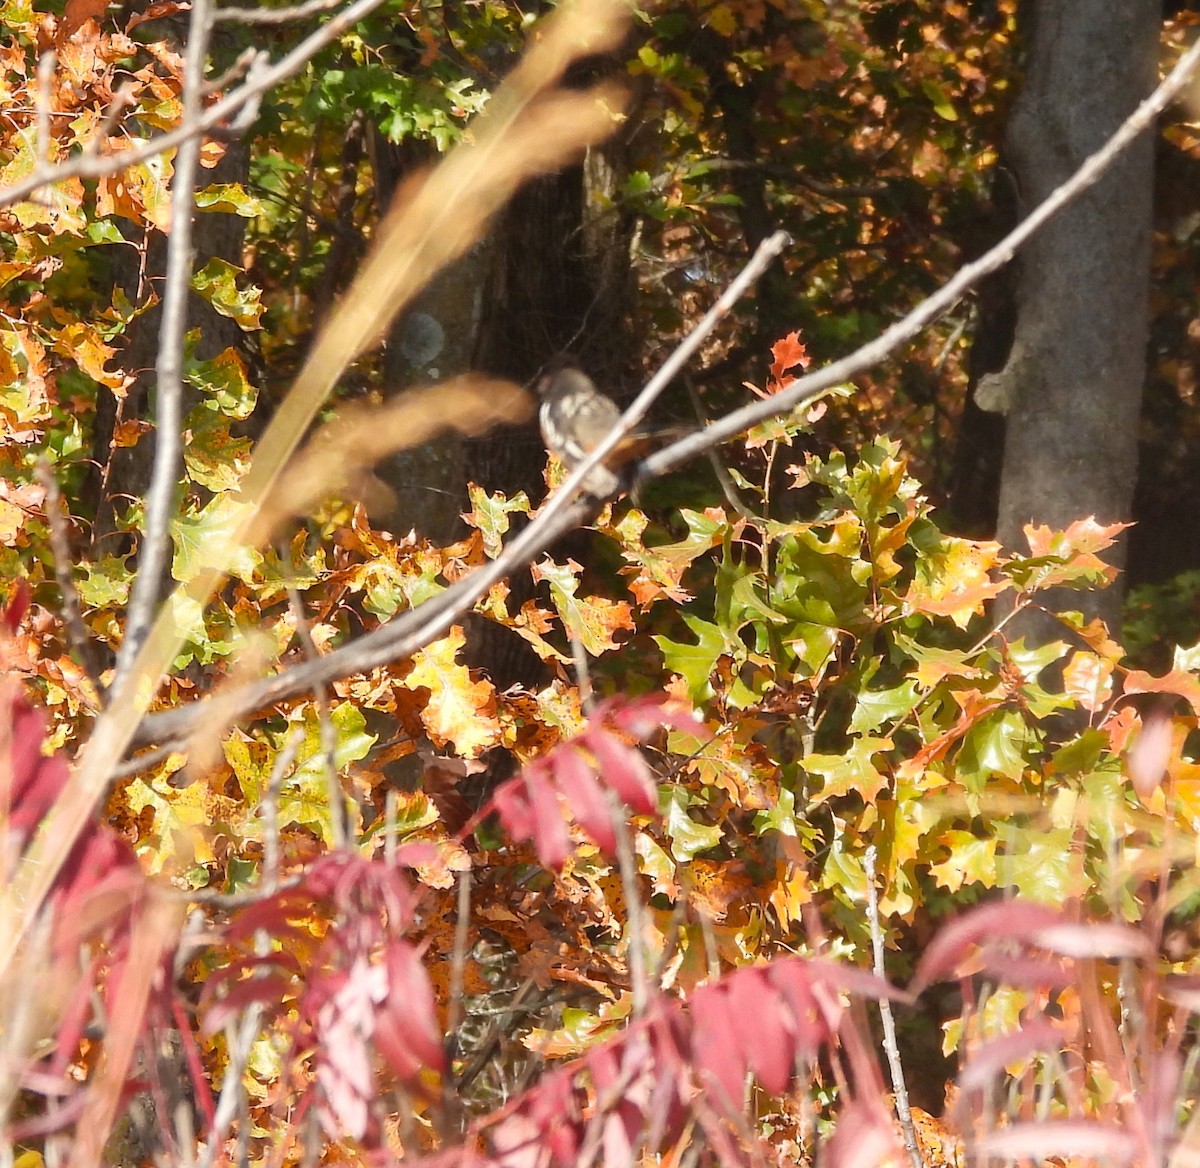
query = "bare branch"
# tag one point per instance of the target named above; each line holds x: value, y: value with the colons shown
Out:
x: 890, y: 1046
x: 168, y: 398
x: 273, y: 15
x: 402, y: 636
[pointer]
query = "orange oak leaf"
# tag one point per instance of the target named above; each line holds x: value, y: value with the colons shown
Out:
x: 129, y: 432
x: 1076, y: 550
x: 974, y: 706
x: 1088, y: 679
x: 1083, y: 538
x: 1120, y: 727
x: 1177, y: 682
x: 787, y: 353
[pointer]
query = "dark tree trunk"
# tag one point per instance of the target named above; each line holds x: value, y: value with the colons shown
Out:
x: 1072, y: 385
x: 558, y: 284
x: 552, y: 277
x: 121, y: 474
x: 432, y: 341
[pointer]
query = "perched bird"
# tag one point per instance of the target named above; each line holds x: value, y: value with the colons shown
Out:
x: 575, y: 417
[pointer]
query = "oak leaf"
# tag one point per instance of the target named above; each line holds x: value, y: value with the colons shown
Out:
x: 459, y: 711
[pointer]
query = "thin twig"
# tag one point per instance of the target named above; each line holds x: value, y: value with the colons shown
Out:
x: 458, y: 967
x: 60, y: 546
x: 583, y: 674
x: 339, y: 828
x: 136, y: 763
x: 244, y: 61
x: 639, y: 982
x: 239, y: 1040
x: 452, y: 1112
x: 390, y: 815
x: 122, y: 100
x: 229, y: 901
x: 45, y: 77
x: 168, y: 398
x: 273, y: 15
x: 724, y: 479
x: 890, y: 1046
x: 270, y: 811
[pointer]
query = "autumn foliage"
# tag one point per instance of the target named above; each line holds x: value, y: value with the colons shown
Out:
x: 622, y: 914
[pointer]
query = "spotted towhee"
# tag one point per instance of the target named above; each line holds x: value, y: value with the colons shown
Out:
x: 575, y: 417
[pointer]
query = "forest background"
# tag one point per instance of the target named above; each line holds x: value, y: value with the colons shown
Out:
x: 362, y: 805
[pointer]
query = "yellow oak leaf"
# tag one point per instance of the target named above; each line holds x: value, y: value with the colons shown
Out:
x: 957, y: 582
x: 459, y: 711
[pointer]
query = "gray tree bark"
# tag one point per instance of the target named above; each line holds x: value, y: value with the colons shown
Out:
x: 1073, y: 382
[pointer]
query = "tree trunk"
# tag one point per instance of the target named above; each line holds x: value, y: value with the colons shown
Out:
x: 1072, y: 386
x: 121, y: 474
x: 432, y: 341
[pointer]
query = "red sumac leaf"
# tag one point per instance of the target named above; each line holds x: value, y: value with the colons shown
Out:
x: 1098, y: 939
x: 343, y: 1007
x: 36, y: 780
x: 413, y: 855
x: 1075, y: 1138
x: 513, y: 808
x: 16, y: 607
x: 792, y: 977
x: 550, y: 836
x: 623, y: 769
x: 273, y: 916
x: 406, y: 1028
x: 52, y: 1120
x: 1032, y: 972
x: 516, y: 1142
x: 715, y: 1045
x: 1150, y: 753
x: 642, y: 717
x: 620, y: 1133
x: 268, y: 991
x: 577, y: 783
x: 1011, y: 919
x: 1184, y: 990
x: 863, y: 1138
x: 852, y: 980
x: 603, y: 1066
x: 991, y: 1058
x: 769, y: 1035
